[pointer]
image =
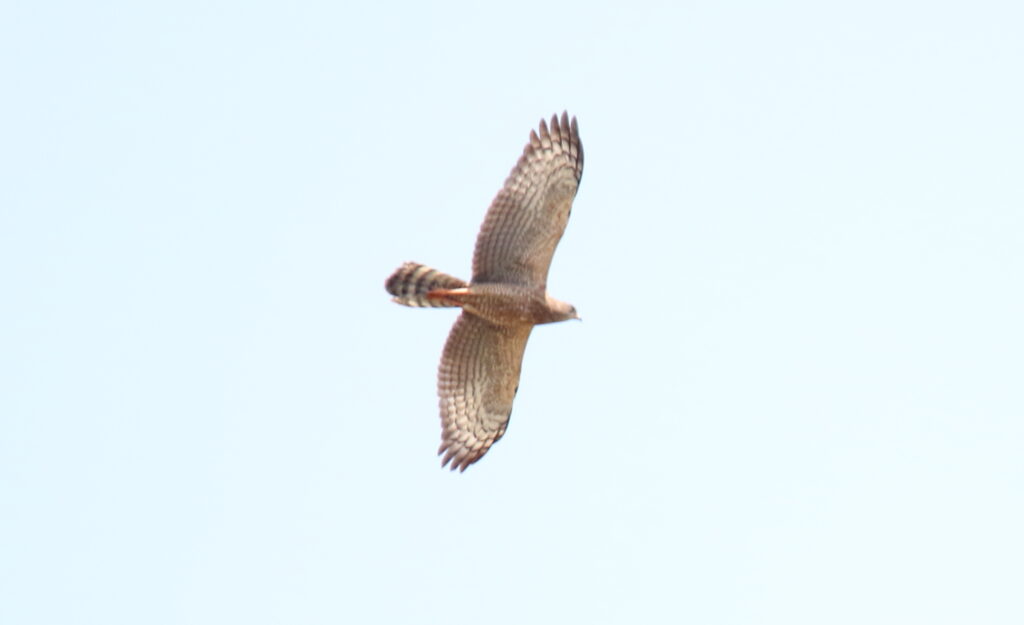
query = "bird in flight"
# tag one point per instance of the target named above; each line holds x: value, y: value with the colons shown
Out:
x: 507, y: 295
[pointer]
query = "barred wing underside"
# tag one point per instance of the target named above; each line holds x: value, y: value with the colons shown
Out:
x: 477, y: 381
x: 528, y: 216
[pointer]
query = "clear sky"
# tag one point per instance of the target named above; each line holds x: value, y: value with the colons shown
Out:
x: 797, y: 396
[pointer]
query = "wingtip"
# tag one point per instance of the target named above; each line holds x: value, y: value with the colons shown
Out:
x: 448, y: 457
x: 455, y: 459
x: 563, y: 121
x: 565, y: 127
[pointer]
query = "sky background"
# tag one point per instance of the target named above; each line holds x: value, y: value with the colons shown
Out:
x: 798, y: 248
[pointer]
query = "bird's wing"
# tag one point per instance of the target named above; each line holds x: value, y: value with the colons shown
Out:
x: 476, y: 383
x: 527, y: 217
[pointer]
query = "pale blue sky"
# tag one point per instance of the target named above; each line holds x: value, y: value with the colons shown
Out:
x: 798, y: 247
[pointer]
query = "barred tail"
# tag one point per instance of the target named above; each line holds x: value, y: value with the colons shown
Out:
x: 411, y: 283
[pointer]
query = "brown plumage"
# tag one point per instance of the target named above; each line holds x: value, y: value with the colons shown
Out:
x: 479, y: 372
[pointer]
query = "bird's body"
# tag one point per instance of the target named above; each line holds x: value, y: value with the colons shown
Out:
x: 507, y: 304
x: 479, y: 372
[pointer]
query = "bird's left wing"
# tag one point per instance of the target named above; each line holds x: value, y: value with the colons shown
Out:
x: 476, y: 383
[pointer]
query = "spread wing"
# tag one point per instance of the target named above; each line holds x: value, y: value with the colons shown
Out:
x: 527, y: 218
x: 477, y: 381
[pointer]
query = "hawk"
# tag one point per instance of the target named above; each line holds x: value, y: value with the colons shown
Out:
x: 507, y: 295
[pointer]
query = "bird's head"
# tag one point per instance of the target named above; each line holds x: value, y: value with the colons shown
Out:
x: 561, y: 311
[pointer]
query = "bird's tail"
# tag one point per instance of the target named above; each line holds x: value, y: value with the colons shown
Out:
x: 412, y: 283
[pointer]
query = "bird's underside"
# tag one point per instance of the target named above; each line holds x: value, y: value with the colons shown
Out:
x: 479, y: 372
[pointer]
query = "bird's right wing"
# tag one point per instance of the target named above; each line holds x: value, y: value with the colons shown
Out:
x: 528, y: 216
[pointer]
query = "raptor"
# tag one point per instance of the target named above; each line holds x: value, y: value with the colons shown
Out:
x: 506, y: 296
